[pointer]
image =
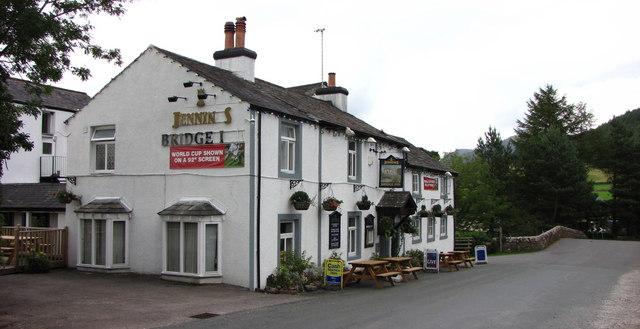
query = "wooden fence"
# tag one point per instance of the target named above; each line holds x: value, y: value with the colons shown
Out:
x: 51, y: 241
x: 463, y: 243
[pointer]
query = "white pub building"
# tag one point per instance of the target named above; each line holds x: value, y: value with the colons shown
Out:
x: 185, y: 170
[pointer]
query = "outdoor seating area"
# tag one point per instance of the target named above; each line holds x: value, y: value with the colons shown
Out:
x: 386, y: 269
x: 18, y: 243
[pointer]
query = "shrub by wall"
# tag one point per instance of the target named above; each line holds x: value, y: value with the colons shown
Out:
x: 539, y: 242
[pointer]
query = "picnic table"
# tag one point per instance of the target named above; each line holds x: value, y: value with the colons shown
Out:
x: 371, y: 270
x: 403, y: 265
x: 463, y: 255
x: 17, y: 244
x: 448, y: 259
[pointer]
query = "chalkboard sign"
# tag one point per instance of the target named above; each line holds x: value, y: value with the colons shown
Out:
x: 481, y: 254
x: 431, y: 260
x: 334, y: 230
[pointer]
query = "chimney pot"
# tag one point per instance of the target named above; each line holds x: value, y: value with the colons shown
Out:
x: 332, y: 79
x: 241, y: 28
x: 229, y: 31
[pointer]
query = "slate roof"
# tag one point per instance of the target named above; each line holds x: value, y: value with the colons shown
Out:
x: 192, y: 208
x: 104, y: 206
x: 32, y: 196
x: 58, y: 99
x: 401, y: 201
x: 295, y: 102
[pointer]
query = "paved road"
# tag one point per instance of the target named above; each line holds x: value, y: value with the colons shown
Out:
x: 572, y: 284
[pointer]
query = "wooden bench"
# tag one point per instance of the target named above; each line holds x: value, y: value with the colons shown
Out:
x: 9, y: 252
x: 454, y: 263
x: 388, y: 276
x: 412, y: 270
x: 469, y: 260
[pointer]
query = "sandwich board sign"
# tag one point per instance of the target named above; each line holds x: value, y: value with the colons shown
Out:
x: 333, y: 272
x: 431, y: 260
x: 481, y: 254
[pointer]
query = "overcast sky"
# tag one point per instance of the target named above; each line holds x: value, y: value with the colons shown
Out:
x: 437, y: 73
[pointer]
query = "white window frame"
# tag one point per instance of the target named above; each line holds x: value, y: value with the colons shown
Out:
x: 417, y: 238
x: 287, y: 236
x: 415, y: 183
x: 431, y: 227
x: 288, y: 145
x: 201, y: 244
x: 352, y: 236
x: 443, y: 226
x: 48, y: 123
x: 445, y: 187
x: 352, y: 160
x: 109, y: 143
x: 109, y: 220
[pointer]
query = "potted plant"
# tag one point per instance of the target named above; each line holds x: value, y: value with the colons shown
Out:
x: 386, y: 227
x: 300, y: 200
x: 423, y: 211
x: 364, y: 203
x: 437, y: 211
x: 331, y: 203
x: 449, y: 210
x: 65, y: 197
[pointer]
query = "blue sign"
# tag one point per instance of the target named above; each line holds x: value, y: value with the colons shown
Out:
x: 481, y: 254
x: 431, y: 260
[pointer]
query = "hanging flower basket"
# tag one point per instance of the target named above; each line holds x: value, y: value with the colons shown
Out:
x: 301, y: 205
x: 65, y: 197
x: 300, y: 200
x: 331, y: 204
x: 364, y: 203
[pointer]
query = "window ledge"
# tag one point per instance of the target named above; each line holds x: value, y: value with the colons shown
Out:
x: 196, y: 279
x: 102, y: 269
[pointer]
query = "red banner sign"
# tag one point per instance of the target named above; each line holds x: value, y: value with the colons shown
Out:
x: 430, y: 183
x: 201, y: 156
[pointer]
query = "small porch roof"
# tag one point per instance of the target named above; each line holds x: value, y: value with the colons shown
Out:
x: 401, y: 203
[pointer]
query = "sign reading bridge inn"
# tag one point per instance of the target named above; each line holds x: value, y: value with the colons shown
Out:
x: 198, y: 150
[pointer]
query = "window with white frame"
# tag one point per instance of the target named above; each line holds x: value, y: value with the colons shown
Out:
x: 352, y: 160
x: 104, y: 148
x: 417, y: 221
x: 288, y: 148
x: 369, y: 232
x: 47, y: 123
x: 415, y: 183
x: 353, y: 235
x: 192, y: 247
x: 47, y: 148
x: 445, y: 187
x: 431, y: 227
x: 287, y: 236
x: 103, y: 242
x: 443, y: 226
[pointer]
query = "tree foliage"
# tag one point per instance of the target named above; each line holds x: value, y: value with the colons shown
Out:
x: 36, y: 41
x: 547, y: 110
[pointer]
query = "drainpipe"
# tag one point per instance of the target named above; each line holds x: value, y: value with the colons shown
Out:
x: 319, y: 196
x: 259, y: 194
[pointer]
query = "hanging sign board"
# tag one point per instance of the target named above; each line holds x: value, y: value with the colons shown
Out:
x: 481, y: 254
x: 333, y: 272
x: 431, y: 260
x: 391, y: 172
x: 334, y: 232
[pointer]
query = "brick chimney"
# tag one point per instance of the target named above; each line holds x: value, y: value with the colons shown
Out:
x: 235, y: 57
x: 336, y: 95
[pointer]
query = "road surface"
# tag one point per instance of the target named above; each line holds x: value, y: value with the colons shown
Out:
x: 572, y: 284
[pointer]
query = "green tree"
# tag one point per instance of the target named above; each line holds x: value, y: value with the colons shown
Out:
x: 547, y: 110
x: 551, y: 181
x: 497, y: 154
x: 625, y: 168
x: 36, y: 40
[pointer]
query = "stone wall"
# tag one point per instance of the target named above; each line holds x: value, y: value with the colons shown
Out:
x: 527, y: 243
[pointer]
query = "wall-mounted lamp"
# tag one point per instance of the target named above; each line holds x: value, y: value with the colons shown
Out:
x: 448, y: 174
x: 173, y: 99
x: 204, y: 96
x: 406, y: 149
x: 189, y: 84
x: 371, y: 140
x: 348, y: 132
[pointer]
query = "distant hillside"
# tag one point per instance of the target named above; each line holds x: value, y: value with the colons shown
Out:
x: 469, y: 152
x: 592, y: 143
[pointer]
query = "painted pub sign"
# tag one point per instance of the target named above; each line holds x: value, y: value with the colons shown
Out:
x: 391, y: 170
x: 430, y: 184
